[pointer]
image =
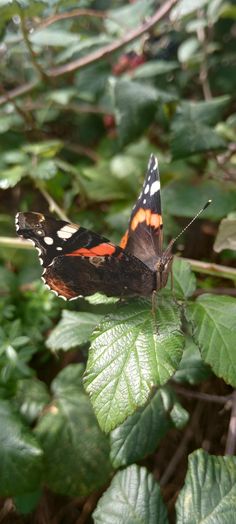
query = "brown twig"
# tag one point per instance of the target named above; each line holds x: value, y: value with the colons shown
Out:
x: 212, y: 269
x: 181, y: 450
x: 114, y: 46
x: 35, y: 64
x: 53, y: 206
x: 201, y: 396
x: 231, y: 437
x: 216, y: 291
x: 18, y: 91
x: 97, y: 55
x: 203, y: 71
x: 74, y: 13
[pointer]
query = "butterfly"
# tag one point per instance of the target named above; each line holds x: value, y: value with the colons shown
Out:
x: 79, y: 262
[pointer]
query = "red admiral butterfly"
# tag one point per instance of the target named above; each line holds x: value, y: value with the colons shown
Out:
x: 78, y: 262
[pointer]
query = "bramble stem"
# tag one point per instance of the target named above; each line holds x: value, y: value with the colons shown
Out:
x: 215, y: 270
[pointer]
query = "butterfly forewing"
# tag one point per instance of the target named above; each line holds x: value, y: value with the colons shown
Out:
x: 143, y: 238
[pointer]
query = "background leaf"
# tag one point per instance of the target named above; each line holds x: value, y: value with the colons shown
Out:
x: 133, y: 496
x: 73, y: 464
x: 140, y: 434
x: 213, y: 323
x: 74, y: 329
x: 20, y: 454
x: 209, y: 493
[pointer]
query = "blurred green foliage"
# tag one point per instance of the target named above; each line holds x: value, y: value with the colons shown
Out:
x: 79, y: 117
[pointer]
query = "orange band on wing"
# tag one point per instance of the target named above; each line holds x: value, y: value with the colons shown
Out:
x: 96, y: 251
x: 124, y: 240
x: 146, y: 215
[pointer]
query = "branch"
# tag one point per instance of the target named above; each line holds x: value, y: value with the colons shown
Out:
x: 212, y: 269
x: 15, y: 243
x: 118, y: 44
x: 202, y: 396
x: 97, y: 55
x: 53, y: 206
x: 18, y: 91
x: 71, y: 14
x: 35, y: 64
x: 203, y: 71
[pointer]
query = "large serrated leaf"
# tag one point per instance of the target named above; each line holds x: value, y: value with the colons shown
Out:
x: 214, y: 329
x: 132, y: 497
x: 140, y: 434
x: 209, y: 493
x: 20, y: 454
x: 76, y: 452
x: 74, y: 329
x: 131, y: 352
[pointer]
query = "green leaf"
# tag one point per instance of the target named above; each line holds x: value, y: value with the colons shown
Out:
x: 20, y: 454
x: 130, y: 353
x: 214, y: 329
x: 206, y: 113
x: 154, y: 68
x: 226, y: 236
x: 140, y: 433
x: 184, y: 279
x: 127, y: 16
x: 133, y: 496
x: 135, y: 106
x: 49, y: 36
x: 27, y: 502
x: 74, y: 329
x: 209, y: 493
x: 192, y: 368
x: 11, y: 176
x: 46, y: 149
x: 186, y: 7
x: 76, y: 452
x: 185, y: 197
x: 191, y: 131
x: 31, y: 397
x: 192, y: 138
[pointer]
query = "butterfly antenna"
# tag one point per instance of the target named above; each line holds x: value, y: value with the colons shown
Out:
x: 188, y: 225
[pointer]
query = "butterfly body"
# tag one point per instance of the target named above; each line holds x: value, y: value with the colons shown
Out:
x: 78, y: 262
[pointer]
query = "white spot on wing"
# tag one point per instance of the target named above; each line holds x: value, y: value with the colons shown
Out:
x: 67, y: 231
x: 145, y: 201
x: 146, y: 190
x: 48, y: 240
x: 59, y: 248
x: 155, y: 187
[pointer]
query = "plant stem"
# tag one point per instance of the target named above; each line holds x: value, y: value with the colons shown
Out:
x: 212, y: 269
x: 114, y: 46
x: 202, y: 396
